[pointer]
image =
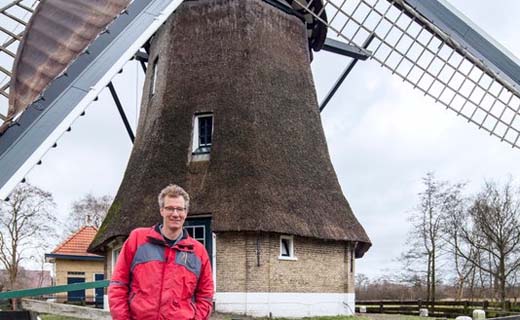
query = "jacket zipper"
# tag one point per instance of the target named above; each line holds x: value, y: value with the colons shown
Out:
x: 132, y: 296
x: 166, y: 256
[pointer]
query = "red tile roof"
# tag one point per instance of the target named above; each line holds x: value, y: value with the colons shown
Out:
x: 77, y: 243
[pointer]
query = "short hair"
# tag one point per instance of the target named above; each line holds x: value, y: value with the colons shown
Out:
x: 173, y: 191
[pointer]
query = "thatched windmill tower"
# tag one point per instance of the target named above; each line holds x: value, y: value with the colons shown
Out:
x: 230, y: 113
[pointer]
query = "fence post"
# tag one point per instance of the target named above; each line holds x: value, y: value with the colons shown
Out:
x: 508, y: 305
x: 486, y: 305
x: 381, y: 307
x: 419, y: 302
x: 466, y: 305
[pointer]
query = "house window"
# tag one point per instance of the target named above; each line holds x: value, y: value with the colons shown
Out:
x: 153, y: 85
x: 287, y: 248
x: 202, y: 133
x: 75, y: 273
x: 197, y: 232
x: 115, y: 255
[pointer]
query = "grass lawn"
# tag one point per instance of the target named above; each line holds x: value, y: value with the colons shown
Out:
x: 55, y: 317
x: 331, y: 318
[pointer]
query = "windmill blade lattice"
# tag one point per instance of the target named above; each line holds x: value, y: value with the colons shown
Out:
x: 14, y: 16
x: 430, y: 56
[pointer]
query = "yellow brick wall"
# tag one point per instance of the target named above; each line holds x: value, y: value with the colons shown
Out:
x: 90, y: 268
x: 321, y: 266
x: 248, y: 262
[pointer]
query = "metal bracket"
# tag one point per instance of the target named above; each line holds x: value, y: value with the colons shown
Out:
x: 344, y: 74
x: 121, y: 111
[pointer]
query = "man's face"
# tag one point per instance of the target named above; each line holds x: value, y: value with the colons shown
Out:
x: 174, y: 213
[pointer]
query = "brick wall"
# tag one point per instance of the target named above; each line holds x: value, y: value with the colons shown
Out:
x: 90, y: 268
x: 321, y: 266
x: 248, y: 262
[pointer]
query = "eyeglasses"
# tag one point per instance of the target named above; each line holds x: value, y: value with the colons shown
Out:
x: 173, y: 209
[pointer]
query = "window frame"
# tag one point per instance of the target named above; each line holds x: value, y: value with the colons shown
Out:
x: 203, y: 233
x: 153, y: 84
x: 196, y: 145
x: 114, y: 258
x: 290, y: 240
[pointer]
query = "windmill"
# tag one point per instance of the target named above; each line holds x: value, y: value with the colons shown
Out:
x: 415, y: 45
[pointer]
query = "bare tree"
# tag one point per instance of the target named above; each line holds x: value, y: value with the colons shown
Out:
x: 494, y: 230
x: 26, y: 220
x: 89, y: 210
x: 438, y: 200
x: 453, y: 221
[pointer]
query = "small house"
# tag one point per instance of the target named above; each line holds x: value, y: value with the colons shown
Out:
x: 73, y: 264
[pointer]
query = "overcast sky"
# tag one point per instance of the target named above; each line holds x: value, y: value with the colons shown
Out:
x: 382, y: 135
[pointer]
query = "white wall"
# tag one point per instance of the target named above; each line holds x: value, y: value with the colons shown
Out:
x: 286, y: 304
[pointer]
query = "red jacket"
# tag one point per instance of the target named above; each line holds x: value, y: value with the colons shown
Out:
x: 154, y: 281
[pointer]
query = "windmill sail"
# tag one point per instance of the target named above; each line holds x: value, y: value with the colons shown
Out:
x: 67, y: 96
x: 426, y: 43
x: 440, y: 52
x: 14, y: 17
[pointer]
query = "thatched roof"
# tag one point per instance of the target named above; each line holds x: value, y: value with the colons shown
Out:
x: 57, y: 33
x: 270, y: 171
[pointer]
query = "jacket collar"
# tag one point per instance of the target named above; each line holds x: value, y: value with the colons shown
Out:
x: 154, y: 236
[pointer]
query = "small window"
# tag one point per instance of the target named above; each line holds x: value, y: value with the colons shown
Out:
x: 75, y: 273
x: 286, y: 248
x: 153, y: 85
x: 115, y: 255
x: 202, y: 133
x: 197, y: 233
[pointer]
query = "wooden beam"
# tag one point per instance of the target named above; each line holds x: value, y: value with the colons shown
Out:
x: 62, y: 310
x: 11, y: 34
x: 9, y: 52
x: 19, y: 3
x: 3, y: 70
x: 10, y: 5
x: 12, y: 40
x: 50, y: 290
x: 20, y: 21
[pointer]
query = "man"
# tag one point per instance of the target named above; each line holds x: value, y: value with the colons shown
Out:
x: 161, y: 272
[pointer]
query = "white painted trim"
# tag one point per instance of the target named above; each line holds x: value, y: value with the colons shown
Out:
x: 285, y: 304
x: 291, y: 256
x: 287, y: 258
x: 195, y: 138
x: 106, y: 307
x: 200, y: 157
x: 113, y: 260
x: 153, y: 85
x: 214, y: 260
